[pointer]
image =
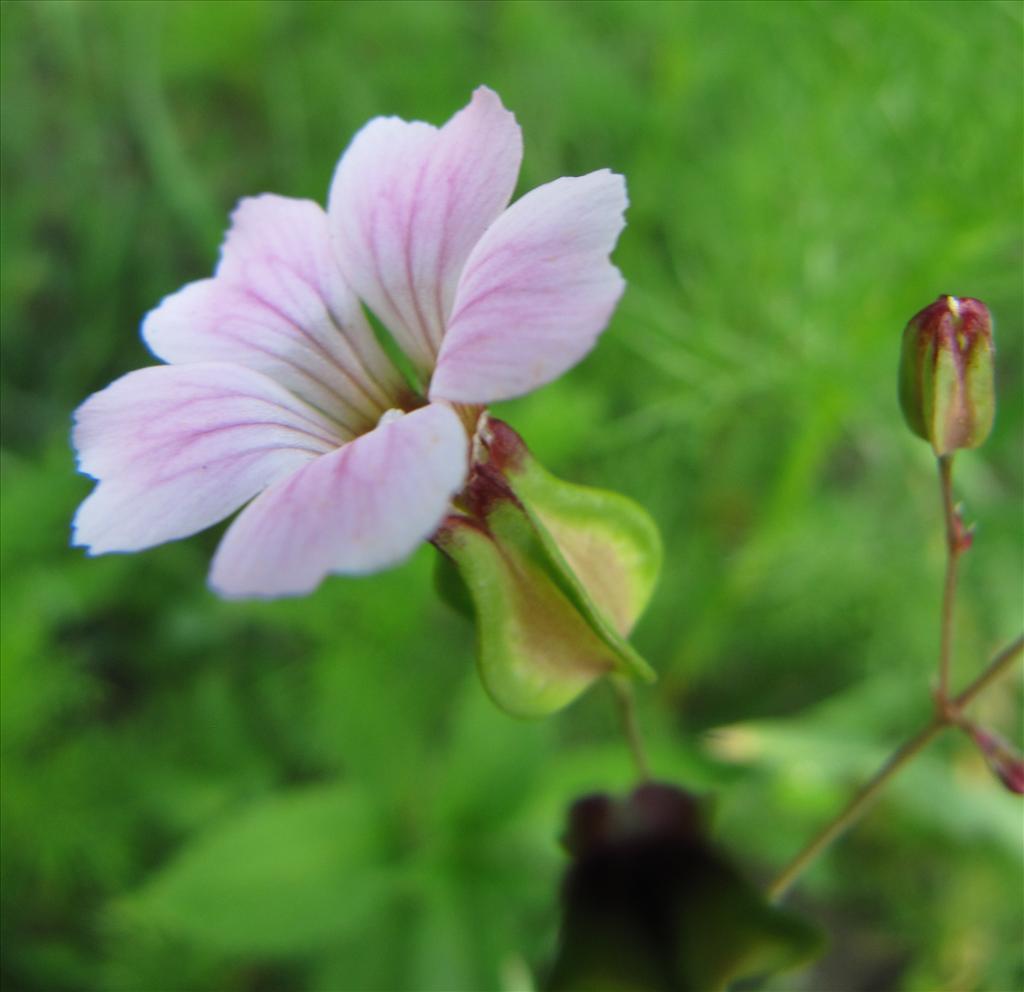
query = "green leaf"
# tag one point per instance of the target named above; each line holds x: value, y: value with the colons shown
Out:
x: 291, y: 872
x: 442, y: 953
x: 489, y: 766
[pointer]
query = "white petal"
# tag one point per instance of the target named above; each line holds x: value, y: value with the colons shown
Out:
x: 407, y: 204
x: 279, y: 304
x: 536, y: 291
x: 177, y: 448
x: 357, y: 510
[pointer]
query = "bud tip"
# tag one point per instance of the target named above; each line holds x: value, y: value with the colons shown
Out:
x: 946, y: 378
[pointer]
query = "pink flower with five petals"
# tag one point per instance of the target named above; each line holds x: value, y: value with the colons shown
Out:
x: 277, y: 396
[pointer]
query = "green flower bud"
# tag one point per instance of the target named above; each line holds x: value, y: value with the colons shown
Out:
x: 947, y: 388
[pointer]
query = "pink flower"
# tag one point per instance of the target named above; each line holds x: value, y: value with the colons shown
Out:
x: 277, y: 393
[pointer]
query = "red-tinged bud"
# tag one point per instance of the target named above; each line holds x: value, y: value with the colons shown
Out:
x: 1004, y: 761
x: 947, y: 387
x: 1012, y: 776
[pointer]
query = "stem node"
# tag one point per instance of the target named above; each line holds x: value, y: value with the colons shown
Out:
x: 950, y: 715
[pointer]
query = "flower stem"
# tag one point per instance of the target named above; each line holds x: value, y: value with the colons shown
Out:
x: 627, y: 715
x: 858, y: 805
x: 996, y: 667
x: 853, y: 810
x: 956, y: 544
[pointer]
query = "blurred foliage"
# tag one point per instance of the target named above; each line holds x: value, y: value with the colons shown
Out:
x: 317, y: 795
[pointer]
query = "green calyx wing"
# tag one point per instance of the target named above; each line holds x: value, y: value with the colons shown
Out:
x: 607, y: 541
x: 557, y: 575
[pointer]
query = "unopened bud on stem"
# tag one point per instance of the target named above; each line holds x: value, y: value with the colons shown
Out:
x: 947, y: 388
x: 1007, y: 763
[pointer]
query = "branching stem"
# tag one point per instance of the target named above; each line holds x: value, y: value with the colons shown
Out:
x: 947, y: 716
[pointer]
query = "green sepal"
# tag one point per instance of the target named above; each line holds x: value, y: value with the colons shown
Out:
x: 548, y: 555
x: 540, y: 641
x: 557, y: 575
x: 534, y: 653
x: 914, y: 359
x: 451, y: 588
x: 960, y: 395
x: 606, y: 540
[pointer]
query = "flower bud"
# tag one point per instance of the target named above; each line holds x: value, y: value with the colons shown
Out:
x: 1004, y: 761
x: 650, y: 904
x: 947, y: 388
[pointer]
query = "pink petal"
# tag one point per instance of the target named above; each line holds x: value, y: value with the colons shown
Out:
x: 278, y: 304
x: 407, y: 204
x: 177, y: 448
x: 356, y: 510
x: 536, y: 291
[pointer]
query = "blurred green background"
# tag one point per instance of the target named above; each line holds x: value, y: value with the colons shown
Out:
x: 316, y: 795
